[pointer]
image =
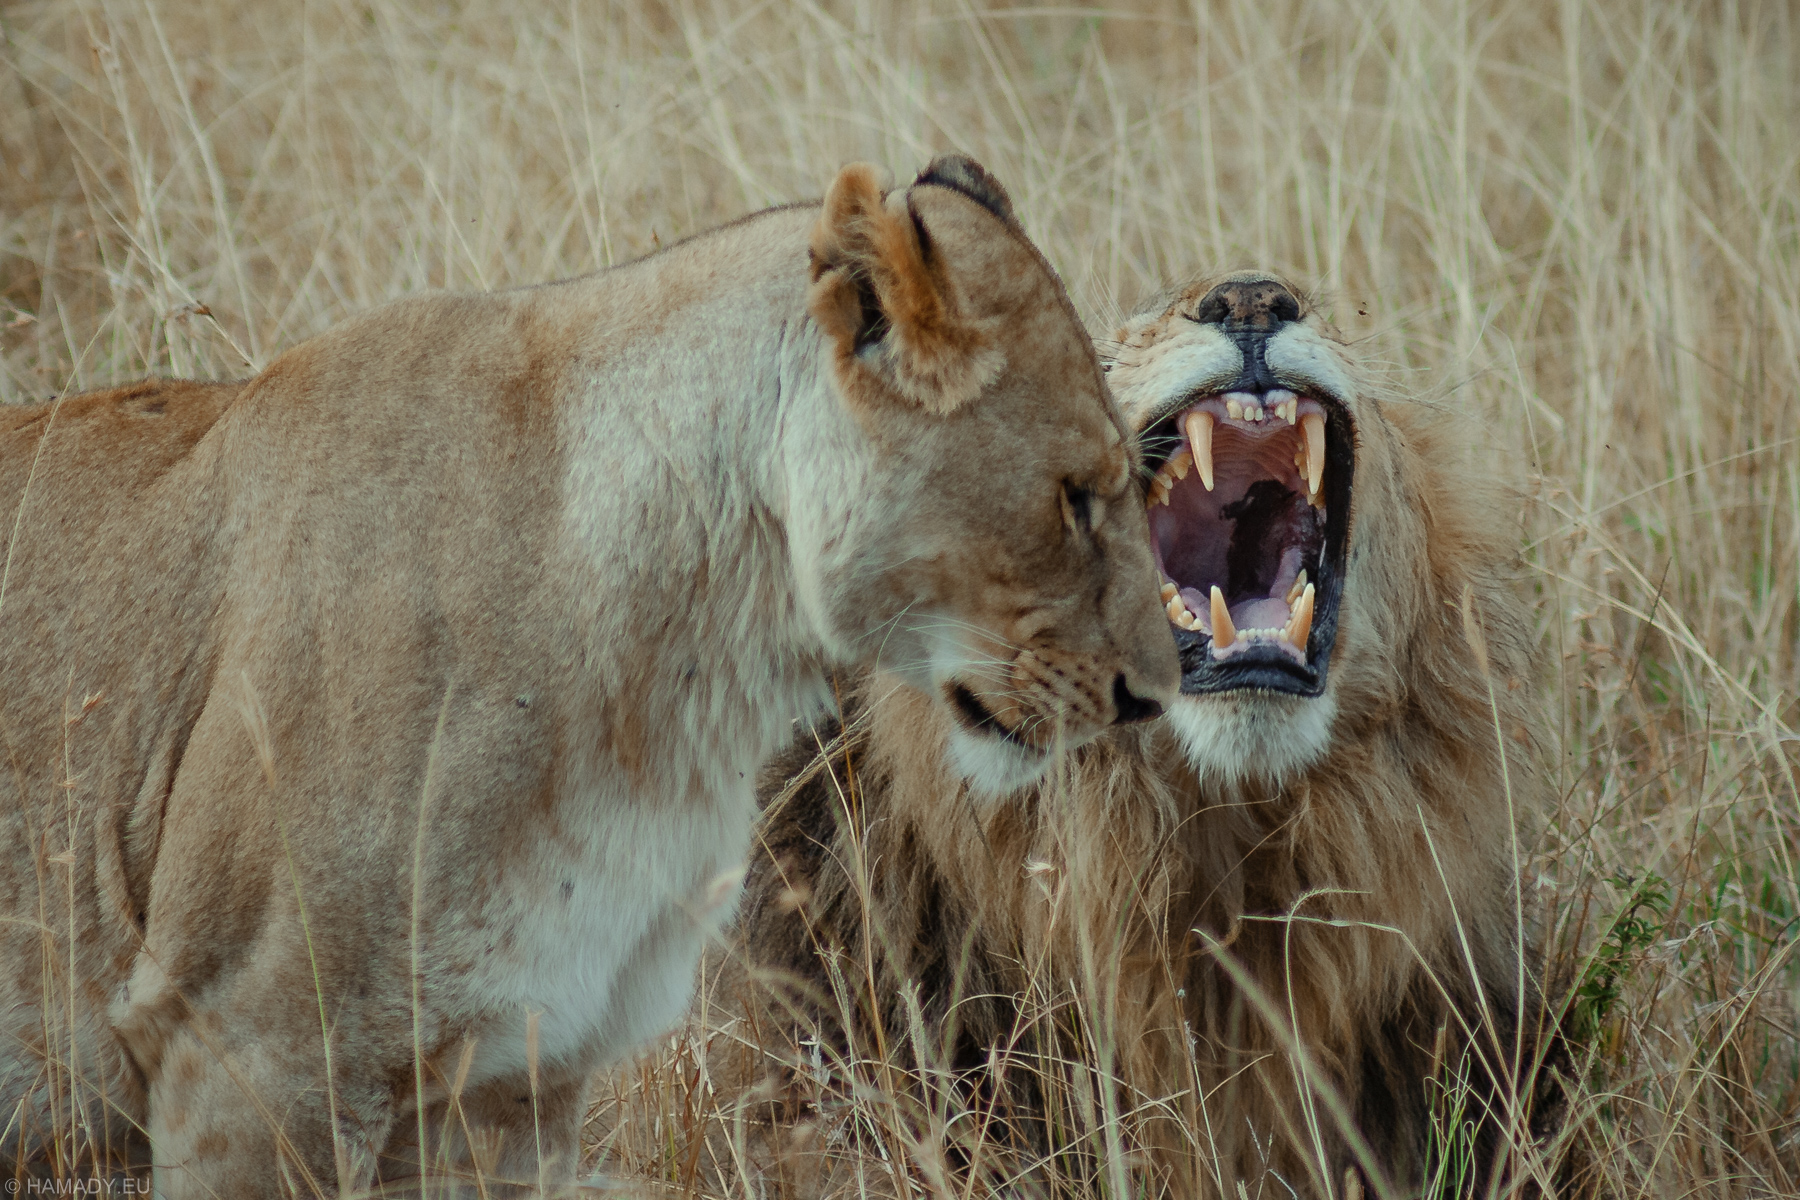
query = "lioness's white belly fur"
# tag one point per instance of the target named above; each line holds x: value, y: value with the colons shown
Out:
x: 610, y: 923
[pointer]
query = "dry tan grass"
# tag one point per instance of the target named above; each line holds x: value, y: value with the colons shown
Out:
x: 1580, y: 222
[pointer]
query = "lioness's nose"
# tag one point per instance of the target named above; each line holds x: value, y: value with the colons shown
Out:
x: 1129, y: 708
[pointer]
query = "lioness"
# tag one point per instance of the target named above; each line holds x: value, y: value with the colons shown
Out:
x: 1285, y: 915
x: 381, y: 732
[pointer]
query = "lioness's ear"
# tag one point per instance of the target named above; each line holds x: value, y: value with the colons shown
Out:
x: 886, y: 300
x: 961, y: 173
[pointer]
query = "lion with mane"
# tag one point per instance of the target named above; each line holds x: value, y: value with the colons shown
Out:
x: 1284, y: 918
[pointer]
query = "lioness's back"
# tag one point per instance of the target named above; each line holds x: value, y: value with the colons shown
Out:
x: 127, y: 433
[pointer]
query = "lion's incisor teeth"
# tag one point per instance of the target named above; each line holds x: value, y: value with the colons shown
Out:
x: 1175, y: 608
x: 1299, y: 626
x: 1234, y: 408
x: 1169, y: 591
x: 1314, y: 426
x: 1199, y: 436
x: 1222, y: 632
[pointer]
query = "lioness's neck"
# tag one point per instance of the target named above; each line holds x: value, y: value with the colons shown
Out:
x: 692, y: 500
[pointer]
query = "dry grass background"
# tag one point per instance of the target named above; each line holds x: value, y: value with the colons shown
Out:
x: 1579, y: 222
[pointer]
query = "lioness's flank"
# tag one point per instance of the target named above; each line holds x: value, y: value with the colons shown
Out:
x: 381, y: 732
x: 1278, y: 928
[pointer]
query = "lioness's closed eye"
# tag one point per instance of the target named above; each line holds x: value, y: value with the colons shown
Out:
x: 382, y: 730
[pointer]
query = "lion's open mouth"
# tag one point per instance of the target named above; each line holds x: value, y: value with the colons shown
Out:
x: 1248, y: 515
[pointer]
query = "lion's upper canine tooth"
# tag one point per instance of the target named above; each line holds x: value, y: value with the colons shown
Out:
x: 1299, y: 626
x: 1199, y: 435
x: 1314, y: 426
x: 1222, y: 632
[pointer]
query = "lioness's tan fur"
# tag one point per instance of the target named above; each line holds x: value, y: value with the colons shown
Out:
x: 380, y: 733
x: 1289, y: 970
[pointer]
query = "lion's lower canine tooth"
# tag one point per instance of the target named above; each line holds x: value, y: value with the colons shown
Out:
x: 1222, y: 632
x: 1299, y: 626
x: 1314, y: 425
x: 1199, y: 436
x: 1294, y: 592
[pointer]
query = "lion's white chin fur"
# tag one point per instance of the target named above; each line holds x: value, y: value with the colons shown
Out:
x: 1238, y: 737
x: 993, y: 768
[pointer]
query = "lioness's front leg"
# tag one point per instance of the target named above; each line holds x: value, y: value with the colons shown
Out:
x: 503, y: 1139
x: 234, y: 1113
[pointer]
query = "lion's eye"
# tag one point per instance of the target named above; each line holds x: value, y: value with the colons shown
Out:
x: 1081, y: 508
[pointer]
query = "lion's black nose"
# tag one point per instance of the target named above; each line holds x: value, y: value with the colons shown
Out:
x: 1236, y: 304
x: 1130, y: 708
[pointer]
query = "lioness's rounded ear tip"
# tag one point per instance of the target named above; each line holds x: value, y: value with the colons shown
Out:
x: 852, y: 197
x: 859, y: 184
x: 960, y: 173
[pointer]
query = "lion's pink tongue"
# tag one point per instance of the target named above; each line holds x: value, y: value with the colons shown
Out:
x: 1271, y: 613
